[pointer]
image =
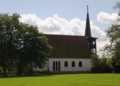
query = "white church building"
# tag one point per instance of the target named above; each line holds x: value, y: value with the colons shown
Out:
x: 70, y: 53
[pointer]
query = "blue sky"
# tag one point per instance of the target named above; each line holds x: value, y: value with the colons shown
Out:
x: 67, y: 9
x: 65, y: 16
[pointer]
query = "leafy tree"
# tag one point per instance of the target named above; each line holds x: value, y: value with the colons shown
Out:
x: 95, y: 63
x: 113, y: 49
x: 105, y: 65
x: 8, y: 25
x: 117, y: 6
x: 21, y: 44
x: 100, y: 65
x: 33, y: 49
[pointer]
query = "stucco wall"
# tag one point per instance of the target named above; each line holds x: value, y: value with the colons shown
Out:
x: 85, y: 64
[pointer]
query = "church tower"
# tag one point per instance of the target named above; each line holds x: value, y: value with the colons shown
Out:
x: 91, y: 40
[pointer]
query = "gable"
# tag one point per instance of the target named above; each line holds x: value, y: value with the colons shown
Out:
x: 66, y: 46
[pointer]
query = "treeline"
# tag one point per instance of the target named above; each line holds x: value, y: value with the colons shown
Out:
x: 104, y: 64
x: 110, y: 61
x: 21, y: 45
x: 101, y: 65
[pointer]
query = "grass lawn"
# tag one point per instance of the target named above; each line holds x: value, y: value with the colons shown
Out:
x: 63, y: 80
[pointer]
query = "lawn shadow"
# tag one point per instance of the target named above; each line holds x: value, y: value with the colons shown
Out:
x: 48, y: 75
x: 35, y: 75
x: 23, y: 76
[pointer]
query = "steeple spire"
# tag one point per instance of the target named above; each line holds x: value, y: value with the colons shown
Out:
x: 87, y: 8
x: 87, y: 29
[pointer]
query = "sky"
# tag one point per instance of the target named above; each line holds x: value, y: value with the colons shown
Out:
x: 65, y: 17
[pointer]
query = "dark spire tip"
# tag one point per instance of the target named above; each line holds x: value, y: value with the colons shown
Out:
x: 87, y: 8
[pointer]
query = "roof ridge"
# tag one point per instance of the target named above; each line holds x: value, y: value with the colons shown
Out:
x: 64, y: 35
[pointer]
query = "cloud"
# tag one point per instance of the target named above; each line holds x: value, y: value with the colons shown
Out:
x: 96, y: 32
x: 58, y: 25
x: 107, y: 18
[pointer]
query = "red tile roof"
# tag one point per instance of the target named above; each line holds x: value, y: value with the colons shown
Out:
x: 66, y: 46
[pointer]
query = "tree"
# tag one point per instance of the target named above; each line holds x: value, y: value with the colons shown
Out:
x: 95, y: 63
x: 100, y: 65
x: 113, y: 49
x: 21, y: 44
x: 33, y: 49
x: 117, y: 6
x: 8, y: 25
x: 105, y: 65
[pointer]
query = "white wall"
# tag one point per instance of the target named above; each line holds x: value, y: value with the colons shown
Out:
x: 85, y: 64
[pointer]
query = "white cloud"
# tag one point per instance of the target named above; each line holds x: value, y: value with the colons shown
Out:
x: 107, y: 18
x: 58, y: 25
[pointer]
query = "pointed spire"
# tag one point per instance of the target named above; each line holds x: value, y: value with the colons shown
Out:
x: 87, y: 29
x: 87, y: 8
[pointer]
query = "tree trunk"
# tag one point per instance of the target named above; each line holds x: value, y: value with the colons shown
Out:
x: 20, y: 70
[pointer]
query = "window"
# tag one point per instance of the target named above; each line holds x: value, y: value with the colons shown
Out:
x: 59, y: 65
x: 53, y: 65
x: 93, y: 43
x: 73, y: 64
x: 80, y: 64
x: 56, y: 65
x: 66, y: 64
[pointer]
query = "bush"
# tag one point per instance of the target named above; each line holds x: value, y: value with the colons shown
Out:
x: 106, y: 69
x: 115, y: 64
x: 30, y: 72
x: 94, y: 69
x: 100, y: 65
x: 95, y: 63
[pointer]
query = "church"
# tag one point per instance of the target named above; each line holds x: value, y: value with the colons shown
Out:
x: 71, y: 54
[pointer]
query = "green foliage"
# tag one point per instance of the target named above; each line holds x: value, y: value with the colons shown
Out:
x: 100, y: 65
x: 113, y: 49
x: 95, y: 63
x: 105, y: 66
x: 8, y: 27
x: 30, y: 72
x: 33, y: 49
x: 21, y: 44
x: 115, y: 64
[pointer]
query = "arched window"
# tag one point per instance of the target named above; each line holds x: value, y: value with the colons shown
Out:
x: 66, y: 64
x: 80, y: 64
x: 73, y: 64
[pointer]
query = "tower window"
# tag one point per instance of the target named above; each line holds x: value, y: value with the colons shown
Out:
x: 93, y: 43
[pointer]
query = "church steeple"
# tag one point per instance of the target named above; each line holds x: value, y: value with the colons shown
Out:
x: 91, y: 40
x: 87, y: 29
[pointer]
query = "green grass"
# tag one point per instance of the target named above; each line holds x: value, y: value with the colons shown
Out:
x: 63, y: 80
